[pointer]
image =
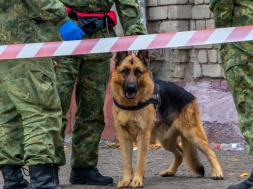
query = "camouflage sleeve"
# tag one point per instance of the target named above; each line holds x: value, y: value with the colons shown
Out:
x: 129, y: 15
x: 49, y: 10
x: 222, y: 10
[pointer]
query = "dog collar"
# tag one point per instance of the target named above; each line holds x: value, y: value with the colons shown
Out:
x: 155, y: 99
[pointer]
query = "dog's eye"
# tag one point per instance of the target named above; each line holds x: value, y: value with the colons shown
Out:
x: 137, y: 72
x: 125, y: 71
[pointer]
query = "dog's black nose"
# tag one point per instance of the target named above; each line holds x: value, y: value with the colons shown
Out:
x: 131, y: 87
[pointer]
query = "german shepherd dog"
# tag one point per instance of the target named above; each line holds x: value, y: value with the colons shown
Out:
x: 146, y: 108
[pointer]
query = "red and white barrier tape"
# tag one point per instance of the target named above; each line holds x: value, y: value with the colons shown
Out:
x: 127, y: 43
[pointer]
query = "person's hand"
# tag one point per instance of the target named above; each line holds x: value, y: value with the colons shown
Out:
x: 70, y: 31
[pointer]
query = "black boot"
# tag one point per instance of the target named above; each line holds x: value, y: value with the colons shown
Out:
x: 88, y: 176
x: 246, y: 184
x: 42, y: 177
x: 13, y: 177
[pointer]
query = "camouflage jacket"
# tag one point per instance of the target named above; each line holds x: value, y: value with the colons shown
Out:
x: 128, y: 11
x: 230, y: 13
x: 19, y: 24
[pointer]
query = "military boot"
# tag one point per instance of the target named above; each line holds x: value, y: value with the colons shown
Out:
x: 13, y: 177
x: 89, y: 176
x: 42, y: 177
x: 246, y: 184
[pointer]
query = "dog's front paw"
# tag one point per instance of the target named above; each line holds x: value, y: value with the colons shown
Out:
x: 167, y: 173
x: 124, y: 184
x: 217, y: 176
x: 136, y: 183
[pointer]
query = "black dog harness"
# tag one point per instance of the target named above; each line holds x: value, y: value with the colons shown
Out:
x: 155, y: 99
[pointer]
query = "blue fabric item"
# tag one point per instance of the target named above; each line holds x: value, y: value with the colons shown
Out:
x: 70, y: 31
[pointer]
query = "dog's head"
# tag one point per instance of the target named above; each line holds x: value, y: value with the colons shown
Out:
x: 131, y: 76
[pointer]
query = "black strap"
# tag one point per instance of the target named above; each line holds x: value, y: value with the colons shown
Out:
x: 155, y: 99
x: 137, y: 107
x: 72, y: 15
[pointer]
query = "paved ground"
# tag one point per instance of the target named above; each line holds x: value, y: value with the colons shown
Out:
x: 110, y: 163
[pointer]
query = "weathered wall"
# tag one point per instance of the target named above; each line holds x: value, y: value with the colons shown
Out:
x: 198, y: 66
x: 188, y: 63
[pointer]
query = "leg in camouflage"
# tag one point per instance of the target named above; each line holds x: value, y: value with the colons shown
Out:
x: 26, y: 83
x: 39, y: 116
x: 240, y: 80
x: 89, y: 123
x: 11, y: 137
x: 11, y: 132
x: 67, y: 71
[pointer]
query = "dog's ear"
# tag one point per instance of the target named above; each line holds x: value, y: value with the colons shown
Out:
x: 143, y: 56
x: 119, y: 57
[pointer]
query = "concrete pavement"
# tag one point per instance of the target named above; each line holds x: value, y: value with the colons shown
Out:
x: 110, y: 163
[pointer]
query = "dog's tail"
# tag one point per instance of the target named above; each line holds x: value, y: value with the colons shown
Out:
x: 192, y: 157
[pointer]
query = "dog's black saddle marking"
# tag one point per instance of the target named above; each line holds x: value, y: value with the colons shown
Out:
x: 155, y: 99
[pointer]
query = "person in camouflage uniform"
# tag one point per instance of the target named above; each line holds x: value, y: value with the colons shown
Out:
x: 91, y: 72
x: 237, y: 61
x: 30, y: 110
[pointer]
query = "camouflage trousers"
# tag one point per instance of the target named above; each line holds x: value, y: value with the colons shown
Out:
x: 240, y: 79
x: 91, y: 72
x: 30, y: 112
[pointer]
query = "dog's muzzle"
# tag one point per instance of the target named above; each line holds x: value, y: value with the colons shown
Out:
x: 130, y: 90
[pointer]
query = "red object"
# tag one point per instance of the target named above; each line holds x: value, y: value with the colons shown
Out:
x: 218, y: 146
x: 110, y: 15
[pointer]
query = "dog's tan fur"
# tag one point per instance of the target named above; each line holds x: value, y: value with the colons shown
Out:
x: 140, y: 125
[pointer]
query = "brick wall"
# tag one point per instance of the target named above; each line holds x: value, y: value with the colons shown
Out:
x: 188, y: 63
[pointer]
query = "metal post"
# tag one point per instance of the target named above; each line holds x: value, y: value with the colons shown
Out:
x: 143, y: 11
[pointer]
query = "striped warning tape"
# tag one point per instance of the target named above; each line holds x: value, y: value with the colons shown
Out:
x: 127, y: 43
